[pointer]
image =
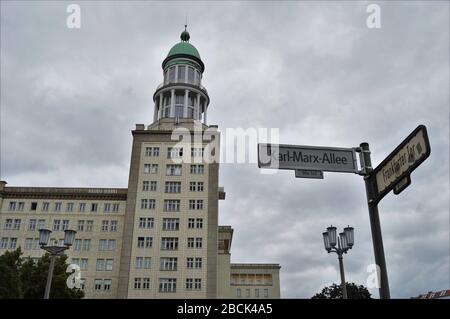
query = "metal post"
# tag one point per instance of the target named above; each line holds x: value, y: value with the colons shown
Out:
x: 343, y: 285
x: 49, y: 277
x: 375, y: 226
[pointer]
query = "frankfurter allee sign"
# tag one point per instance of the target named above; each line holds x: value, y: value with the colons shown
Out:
x: 328, y: 159
x: 397, y: 166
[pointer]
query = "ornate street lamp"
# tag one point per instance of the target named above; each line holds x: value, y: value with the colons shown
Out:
x: 44, y: 236
x: 344, y: 243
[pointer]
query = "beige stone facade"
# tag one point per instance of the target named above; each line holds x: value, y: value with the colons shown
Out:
x: 159, y: 237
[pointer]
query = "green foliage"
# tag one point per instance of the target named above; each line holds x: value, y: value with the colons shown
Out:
x: 335, y: 292
x: 27, y: 279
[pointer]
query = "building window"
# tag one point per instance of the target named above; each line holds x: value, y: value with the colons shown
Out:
x: 195, y: 204
x: 172, y: 74
x: 143, y: 262
x: 41, y: 224
x: 65, y: 224
x: 256, y: 293
x: 82, y: 207
x: 146, y: 283
x: 169, y: 243
x: 8, y: 224
x: 196, y: 186
x: 171, y: 205
x: 173, y: 187
x: 12, y: 243
x: 32, y: 224
x: 266, y: 293
x: 167, y: 285
x: 145, y: 186
x: 77, y: 245
x: 113, y: 227
x: 58, y: 207
x: 107, y: 284
x: 181, y: 73
x: 107, y: 207
x: 94, y: 207
x: 151, y: 168
x: 197, y: 151
x: 247, y: 293
x: 238, y: 293
x: 197, y: 168
x: 105, y: 225
x: 34, y: 206
x: 56, y: 224
x: 152, y: 151
x: 171, y: 224
x: 146, y: 222
x: 98, y: 283
x: 115, y: 207
x: 148, y: 203
x: 84, y: 264
x: 80, y: 226
x: 45, y: 206
x: 17, y: 223
x: 89, y: 225
x: 4, y: 243
x: 137, y: 283
x: 192, y: 262
x: 191, y: 75
x: 21, y: 206
x: 189, y: 283
x: 173, y: 170
x: 28, y: 243
x: 145, y: 242
x: 194, y: 242
x: 12, y: 206
x: 69, y: 207
x: 86, y: 245
x: 168, y: 263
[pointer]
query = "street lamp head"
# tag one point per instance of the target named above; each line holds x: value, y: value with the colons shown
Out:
x: 326, y: 241
x: 349, y: 235
x: 332, y: 235
x: 343, y: 240
x: 69, y: 237
x: 44, y: 236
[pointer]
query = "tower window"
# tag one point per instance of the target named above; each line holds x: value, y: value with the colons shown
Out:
x: 181, y: 73
x: 191, y: 75
x: 172, y: 74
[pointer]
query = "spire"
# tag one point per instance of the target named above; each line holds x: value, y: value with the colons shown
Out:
x: 185, y: 35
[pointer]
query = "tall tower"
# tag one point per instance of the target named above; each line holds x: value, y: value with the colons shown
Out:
x: 170, y: 230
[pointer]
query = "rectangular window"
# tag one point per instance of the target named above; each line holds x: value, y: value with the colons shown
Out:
x: 145, y: 186
x: 145, y: 242
x: 197, y: 284
x: 94, y: 207
x: 171, y: 224
x: 17, y: 223
x: 107, y: 207
x: 150, y: 168
x: 77, y: 245
x: 105, y: 225
x: 107, y: 283
x: 173, y: 170
x: 266, y: 293
x: 89, y: 225
x: 191, y: 76
x: 65, y: 224
x: 181, y: 73
x: 168, y: 263
x: 41, y: 224
x: 191, y: 223
x: 169, y: 243
x: 84, y: 264
x: 199, y: 222
x: 32, y: 224
x: 28, y: 243
x: 146, y: 222
x: 4, y: 243
x: 153, y: 185
x: 146, y: 283
x: 58, y: 207
x: 113, y: 227
x: 12, y: 243
x: 21, y: 206
x: 195, y: 204
x: 8, y: 224
x: 82, y: 207
x: 167, y: 285
x: 115, y: 207
x: 197, y: 151
x: 198, y: 262
x: 148, y: 203
x: 45, y: 206
x: 152, y: 151
x: 175, y: 152
x: 98, y: 284
x: 34, y: 206
x: 190, y: 262
x: 86, y: 245
x: 69, y: 207
x: 137, y: 283
x: 80, y: 226
x: 143, y: 262
x: 189, y: 283
x: 12, y: 206
x: 111, y: 244
x: 172, y: 74
x: 197, y: 169
x: 247, y: 293
x: 256, y: 293
x: 56, y: 224
x: 173, y: 187
x: 171, y: 205
x: 102, y: 245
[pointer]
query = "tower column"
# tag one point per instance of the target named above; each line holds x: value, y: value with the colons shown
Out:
x: 161, y: 96
x: 185, y: 107
x: 155, y: 112
x: 197, y: 107
x: 172, y: 103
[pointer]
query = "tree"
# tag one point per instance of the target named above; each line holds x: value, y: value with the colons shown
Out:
x: 27, y: 279
x: 335, y: 292
x: 10, y: 285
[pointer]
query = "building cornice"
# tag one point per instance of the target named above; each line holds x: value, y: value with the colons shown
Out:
x: 119, y: 194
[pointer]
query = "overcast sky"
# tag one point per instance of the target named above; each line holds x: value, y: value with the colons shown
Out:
x: 69, y: 98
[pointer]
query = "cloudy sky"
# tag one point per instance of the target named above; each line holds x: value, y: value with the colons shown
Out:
x: 69, y: 98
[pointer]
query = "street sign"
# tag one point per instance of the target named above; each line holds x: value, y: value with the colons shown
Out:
x: 393, y: 172
x: 328, y: 159
x: 304, y: 173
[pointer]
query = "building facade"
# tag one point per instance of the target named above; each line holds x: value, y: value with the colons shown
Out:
x: 159, y: 237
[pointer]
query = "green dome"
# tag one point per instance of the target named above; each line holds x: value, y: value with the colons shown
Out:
x: 184, y: 48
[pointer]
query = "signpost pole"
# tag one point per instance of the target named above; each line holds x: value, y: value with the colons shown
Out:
x: 375, y: 222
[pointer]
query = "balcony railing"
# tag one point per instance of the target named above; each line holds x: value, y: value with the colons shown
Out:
x: 201, y: 87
